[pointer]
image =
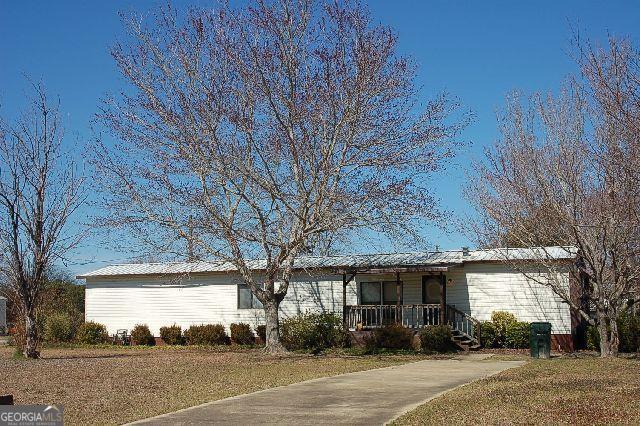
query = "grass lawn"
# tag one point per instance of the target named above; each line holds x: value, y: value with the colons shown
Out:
x: 117, y: 385
x: 557, y: 391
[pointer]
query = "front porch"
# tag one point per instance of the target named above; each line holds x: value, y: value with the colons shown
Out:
x: 368, y: 317
x: 381, y: 301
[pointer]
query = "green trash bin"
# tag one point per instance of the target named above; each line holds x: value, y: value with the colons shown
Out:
x: 540, y: 340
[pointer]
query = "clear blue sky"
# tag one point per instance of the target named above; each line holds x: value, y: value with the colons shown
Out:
x: 477, y: 50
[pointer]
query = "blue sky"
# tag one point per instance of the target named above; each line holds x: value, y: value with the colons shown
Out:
x: 476, y: 50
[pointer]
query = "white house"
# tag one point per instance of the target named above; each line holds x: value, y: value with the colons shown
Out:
x: 3, y: 315
x: 459, y: 287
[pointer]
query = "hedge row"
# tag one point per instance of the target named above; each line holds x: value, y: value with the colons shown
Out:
x: 432, y: 339
x: 58, y: 328
x: 209, y: 334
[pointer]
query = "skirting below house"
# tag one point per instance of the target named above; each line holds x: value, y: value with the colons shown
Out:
x: 562, y: 342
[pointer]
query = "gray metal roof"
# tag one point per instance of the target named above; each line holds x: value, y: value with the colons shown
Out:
x: 355, y: 261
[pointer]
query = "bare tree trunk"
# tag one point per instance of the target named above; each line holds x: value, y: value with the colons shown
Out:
x: 31, y: 336
x: 609, y: 340
x: 273, y: 344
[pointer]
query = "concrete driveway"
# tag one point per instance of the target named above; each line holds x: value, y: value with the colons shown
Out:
x: 367, y: 397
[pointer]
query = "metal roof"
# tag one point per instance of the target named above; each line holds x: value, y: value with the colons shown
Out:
x: 347, y: 262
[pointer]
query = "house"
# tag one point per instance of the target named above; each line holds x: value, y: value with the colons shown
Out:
x: 3, y: 315
x: 457, y: 287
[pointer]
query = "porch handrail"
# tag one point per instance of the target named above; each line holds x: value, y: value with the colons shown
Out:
x: 463, y: 322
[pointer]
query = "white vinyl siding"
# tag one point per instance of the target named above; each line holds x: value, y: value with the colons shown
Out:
x: 121, y: 303
x: 482, y: 288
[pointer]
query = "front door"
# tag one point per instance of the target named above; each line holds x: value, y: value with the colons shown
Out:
x: 431, y: 293
x: 431, y: 289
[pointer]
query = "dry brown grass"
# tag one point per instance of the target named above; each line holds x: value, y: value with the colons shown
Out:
x: 117, y: 385
x: 557, y: 391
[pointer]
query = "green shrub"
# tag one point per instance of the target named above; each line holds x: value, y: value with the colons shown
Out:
x: 501, y: 320
x: 517, y: 335
x: 241, y: 334
x: 141, y: 336
x: 436, y: 338
x: 172, y: 335
x: 628, y: 333
x: 629, y: 330
x: 207, y: 334
x: 313, y: 331
x: 58, y: 328
x: 92, y: 333
x: 593, y: 338
x: 488, y: 334
x: 392, y: 336
x: 261, y: 331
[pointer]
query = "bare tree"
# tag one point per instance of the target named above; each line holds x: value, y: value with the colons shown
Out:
x: 250, y: 133
x: 39, y: 191
x: 564, y: 171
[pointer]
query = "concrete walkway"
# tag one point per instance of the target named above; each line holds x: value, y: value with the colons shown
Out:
x: 367, y: 397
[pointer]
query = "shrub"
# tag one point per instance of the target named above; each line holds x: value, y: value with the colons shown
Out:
x: 629, y: 330
x: 141, y: 336
x: 436, y: 338
x: 501, y: 321
x: 92, y: 333
x: 628, y: 333
x: 593, y: 338
x: 172, y: 335
x: 313, y: 331
x: 261, y: 331
x: 58, y: 328
x: 488, y: 334
x: 392, y: 336
x: 242, y: 335
x: 206, y: 334
x: 517, y: 335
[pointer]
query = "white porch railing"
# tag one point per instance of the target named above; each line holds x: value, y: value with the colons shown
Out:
x: 363, y: 317
x: 374, y: 316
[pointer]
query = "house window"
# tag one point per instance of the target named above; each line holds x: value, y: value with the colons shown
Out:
x: 379, y: 292
x: 246, y: 299
x: 431, y: 290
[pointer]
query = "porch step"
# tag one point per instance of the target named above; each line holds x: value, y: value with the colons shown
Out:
x: 464, y: 341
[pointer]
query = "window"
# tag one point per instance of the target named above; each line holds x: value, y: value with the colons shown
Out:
x: 379, y: 292
x: 246, y: 299
x: 431, y: 290
x: 370, y: 293
x: 390, y: 293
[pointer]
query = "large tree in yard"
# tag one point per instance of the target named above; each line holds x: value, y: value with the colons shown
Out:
x: 39, y: 192
x: 565, y: 171
x: 250, y: 133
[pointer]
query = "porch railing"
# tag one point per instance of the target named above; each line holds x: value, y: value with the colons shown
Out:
x: 374, y: 316
x: 363, y: 317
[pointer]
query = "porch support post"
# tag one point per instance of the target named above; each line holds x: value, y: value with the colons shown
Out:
x: 344, y: 302
x: 398, y: 299
x: 443, y: 300
x: 345, y: 282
